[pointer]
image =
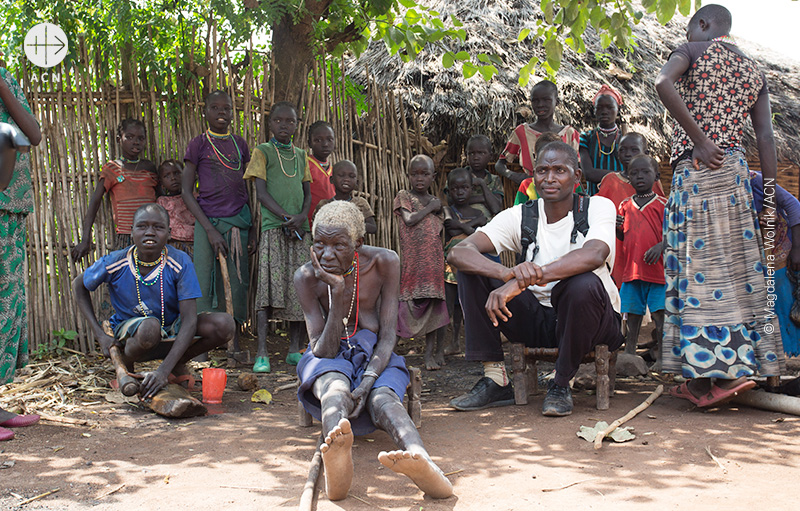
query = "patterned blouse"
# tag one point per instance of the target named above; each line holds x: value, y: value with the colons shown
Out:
x: 719, y: 89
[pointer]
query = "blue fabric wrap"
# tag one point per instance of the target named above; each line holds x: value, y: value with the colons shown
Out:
x: 351, y: 362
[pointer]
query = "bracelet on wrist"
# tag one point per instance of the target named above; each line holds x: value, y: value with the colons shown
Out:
x: 371, y: 373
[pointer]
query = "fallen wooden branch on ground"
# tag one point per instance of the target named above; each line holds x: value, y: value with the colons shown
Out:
x: 598, y: 440
x: 308, y: 499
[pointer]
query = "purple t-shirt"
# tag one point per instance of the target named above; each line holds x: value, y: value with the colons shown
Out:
x: 220, y: 169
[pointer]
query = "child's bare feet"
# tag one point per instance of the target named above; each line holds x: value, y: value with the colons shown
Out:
x: 439, y: 358
x: 425, y: 474
x: 430, y: 362
x: 337, y: 456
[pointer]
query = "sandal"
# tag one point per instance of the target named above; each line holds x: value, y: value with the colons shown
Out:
x: 20, y: 421
x: 718, y: 395
x: 6, y: 434
x: 682, y: 391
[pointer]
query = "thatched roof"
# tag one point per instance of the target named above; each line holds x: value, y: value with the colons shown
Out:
x: 452, y: 108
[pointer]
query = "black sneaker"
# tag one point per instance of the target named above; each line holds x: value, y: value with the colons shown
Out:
x: 558, y: 401
x: 485, y: 394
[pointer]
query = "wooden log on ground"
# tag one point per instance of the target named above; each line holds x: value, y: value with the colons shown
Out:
x: 175, y: 402
x: 598, y: 440
x: 769, y: 401
x: 308, y: 499
x: 127, y: 383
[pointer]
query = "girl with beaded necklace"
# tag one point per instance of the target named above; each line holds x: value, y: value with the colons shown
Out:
x: 217, y: 160
x: 599, y: 146
x: 130, y: 182
x: 282, y: 178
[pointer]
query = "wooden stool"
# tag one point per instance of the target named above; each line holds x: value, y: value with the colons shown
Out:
x: 413, y: 404
x: 526, y: 378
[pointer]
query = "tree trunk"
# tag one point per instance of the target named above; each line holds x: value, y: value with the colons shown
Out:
x: 293, y: 58
x: 293, y: 52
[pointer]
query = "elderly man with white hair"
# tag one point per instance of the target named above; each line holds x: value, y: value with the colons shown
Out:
x: 349, y: 295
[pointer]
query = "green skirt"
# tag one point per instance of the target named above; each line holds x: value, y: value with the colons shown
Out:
x: 13, y: 314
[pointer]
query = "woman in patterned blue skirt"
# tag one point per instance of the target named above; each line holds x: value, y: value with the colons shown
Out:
x: 717, y: 331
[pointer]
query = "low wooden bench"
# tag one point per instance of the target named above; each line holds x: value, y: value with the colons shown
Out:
x: 413, y: 403
x: 526, y: 379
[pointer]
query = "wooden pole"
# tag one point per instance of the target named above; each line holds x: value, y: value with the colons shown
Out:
x: 226, y: 282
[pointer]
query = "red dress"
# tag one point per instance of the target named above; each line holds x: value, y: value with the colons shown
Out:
x: 321, y: 186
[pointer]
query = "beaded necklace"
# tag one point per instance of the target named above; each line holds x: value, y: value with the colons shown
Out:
x: 608, y: 131
x: 648, y: 195
x: 353, y: 300
x: 136, y: 262
x: 220, y: 156
x: 278, y: 145
x: 600, y: 145
x: 325, y: 166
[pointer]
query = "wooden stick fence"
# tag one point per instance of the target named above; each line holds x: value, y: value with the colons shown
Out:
x: 79, y: 121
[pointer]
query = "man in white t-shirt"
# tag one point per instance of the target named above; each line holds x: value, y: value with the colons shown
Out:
x: 561, y: 296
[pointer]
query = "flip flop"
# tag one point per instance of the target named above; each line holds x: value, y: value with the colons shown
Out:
x: 188, y: 378
x: 20, y: 421
x: 261, y: 365
x: 718, y: 395
x: 293, y: 358
x: 682, y: 391
x: 6, y: 434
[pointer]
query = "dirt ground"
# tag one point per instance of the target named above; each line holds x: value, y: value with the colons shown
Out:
x: 255, y: 456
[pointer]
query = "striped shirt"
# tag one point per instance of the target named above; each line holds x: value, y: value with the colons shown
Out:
x: 128, y: 189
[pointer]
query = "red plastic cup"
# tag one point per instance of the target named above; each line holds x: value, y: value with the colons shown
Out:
x: 214, y: 380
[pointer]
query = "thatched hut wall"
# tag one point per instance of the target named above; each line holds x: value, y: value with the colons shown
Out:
x: 452, y: 108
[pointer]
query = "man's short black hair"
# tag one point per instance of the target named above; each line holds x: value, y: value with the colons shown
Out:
x: 151, y: 207
x: 562, y: 148
x: 717, y: 15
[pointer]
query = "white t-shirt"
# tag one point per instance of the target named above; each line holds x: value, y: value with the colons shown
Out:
x: 505, y: 232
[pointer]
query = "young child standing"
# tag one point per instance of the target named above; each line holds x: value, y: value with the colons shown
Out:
x: 423, y: 310
x: 321, y: 142
x: 130, y: 182
x: 344, y: 177
x: 223, y: 223
x: 544, y: 99
x: 461, y: 218
x: 599, y: 146
x: 617, y: 187
x: 715, y: 331
x: 181, y: 220
x: 282, y: 178
x: 487, y: 189
x: 643, y: 283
